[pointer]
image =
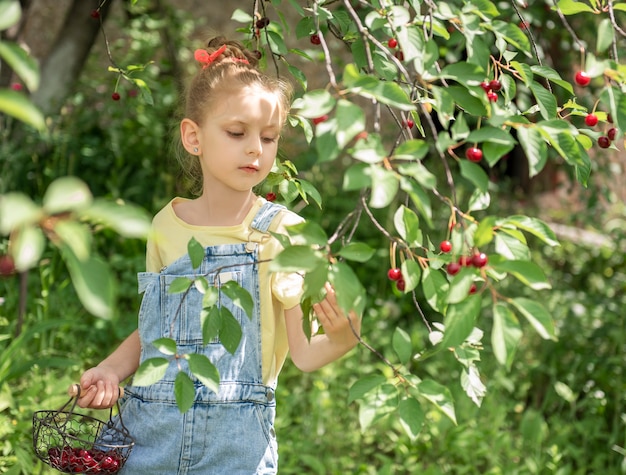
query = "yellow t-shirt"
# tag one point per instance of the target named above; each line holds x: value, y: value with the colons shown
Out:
x: 278, y: 291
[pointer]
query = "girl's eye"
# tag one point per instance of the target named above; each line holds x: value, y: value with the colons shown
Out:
x: 270, y: 139
x: 235, y: 134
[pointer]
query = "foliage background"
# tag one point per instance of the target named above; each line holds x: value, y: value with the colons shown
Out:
x: 559, y: 410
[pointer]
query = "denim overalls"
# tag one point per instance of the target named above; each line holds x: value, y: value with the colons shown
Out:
x: 230, y: 433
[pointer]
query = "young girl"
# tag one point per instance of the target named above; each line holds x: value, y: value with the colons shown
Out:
x: 233, y: 120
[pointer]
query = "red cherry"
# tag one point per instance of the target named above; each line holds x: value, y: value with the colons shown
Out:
x: 495, y: 85
x: 7, y: 265
x: 270, y: 196
x: 485, y: 86
x: 399, y: 54
x: 445, y: 246
x: 315, y: 39
x: 465, y: 261
x: 257, y: 54
x: 611, y: 133
x: 361, y: 135
x: 392, y: 43
x: 591, y: 120
x: 16, y: 86
x: 492, y: 96
x: 115, y: 96
x: 453, y: 268
x: 320, y: 119
x: 95, y: 14
x: 394, y: 274
x: 409, y: 123
x: 609, y: 118
x: 400, y: 284
x: 480, y: 260
x: 473, y: 289
x: 474, y: 154
x: 604, y: 141
x: 262, y: 22
x: 582, y: 78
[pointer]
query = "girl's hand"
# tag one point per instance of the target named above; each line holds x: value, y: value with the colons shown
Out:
x: 99, y: 388
x: 338, y: 328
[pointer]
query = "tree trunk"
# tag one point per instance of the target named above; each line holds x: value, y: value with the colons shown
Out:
x: 62, y: 66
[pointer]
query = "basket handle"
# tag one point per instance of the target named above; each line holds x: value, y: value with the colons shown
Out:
x: 74, y: 390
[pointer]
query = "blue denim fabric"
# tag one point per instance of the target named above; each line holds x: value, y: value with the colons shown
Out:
x: 229, y: 433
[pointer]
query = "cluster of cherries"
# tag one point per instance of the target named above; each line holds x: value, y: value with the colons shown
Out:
x: 491, y: 88
x: 76, y: 460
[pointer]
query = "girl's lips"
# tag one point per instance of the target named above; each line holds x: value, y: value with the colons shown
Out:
x: 249, y: 169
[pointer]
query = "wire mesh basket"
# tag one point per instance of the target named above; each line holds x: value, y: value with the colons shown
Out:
x: 75, y: 443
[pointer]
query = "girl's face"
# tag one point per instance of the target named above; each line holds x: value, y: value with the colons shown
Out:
x: 238, y: 139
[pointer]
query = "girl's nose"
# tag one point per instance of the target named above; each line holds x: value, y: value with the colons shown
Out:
x: 254, y: 146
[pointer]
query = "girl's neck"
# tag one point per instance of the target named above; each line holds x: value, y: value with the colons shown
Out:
x: 211, y: 209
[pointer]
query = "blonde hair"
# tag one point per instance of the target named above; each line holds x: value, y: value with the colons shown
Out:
x: 234, y: 67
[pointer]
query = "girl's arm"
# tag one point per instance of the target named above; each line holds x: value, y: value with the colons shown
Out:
x: 100, y: 385
x: 338, y: 337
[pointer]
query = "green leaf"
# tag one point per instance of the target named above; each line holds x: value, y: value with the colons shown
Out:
x: 356, y: 177
x: 459, y: 321
x: 314, y: 103
x: 412, y: 417
x: 211, y: 321
x: 326, y: 142
x: 348, y: 288
x: 364, y: 385
x: 406, y: 223
x: 385, y: 187
x: 239, y: 296
x: 150, y: 371
x: 230, y: 330
x: 435, y: 288
x: 545, y: 100
x: 511, y: 33
x: 377, y: 404
x: 388, y: 93
x: 206, y: 372
x: 475, y: 174
x: 350, y: 121
x: 22, y: 64
x: 19, y: 106
x: 460, y: 285
x: 439, y: 395
x: 126, y: 219
x: 297, y: 258
x: 553, y: 76
x: 167, y: 346
x: 276, y: 43
x: 535, y: 148
x: 573, y: 7
x: 491, y: 134
x: 27, y: 246
x: 420, y: 173
x: 307, y: 233
x: 10, y: 14
x: 534, y: 226
x: 537, y: 316
x: 357, y: 251
x: 411, y: 273
x: 94, y: 283
x: 179, y: 284
x: 196, y: 252
x: 184, y: 391
x: 484, y: 233
x: 526, y: 272
x: 17, y: 210
x: 241, y: 16
x: 401, y: 342
x: 414, y: 149
x: 505, y: 334
x: 76, y: 236
x: 511, y: 247
x: 463, y: 73
x: 66, y: 194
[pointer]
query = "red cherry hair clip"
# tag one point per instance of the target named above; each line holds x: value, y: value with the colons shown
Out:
x: 207, y: 59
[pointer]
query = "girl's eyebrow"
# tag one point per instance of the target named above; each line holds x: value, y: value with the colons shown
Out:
x: 246, y: 123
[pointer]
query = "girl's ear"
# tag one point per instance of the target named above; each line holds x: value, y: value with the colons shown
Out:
x: 189, y: 131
